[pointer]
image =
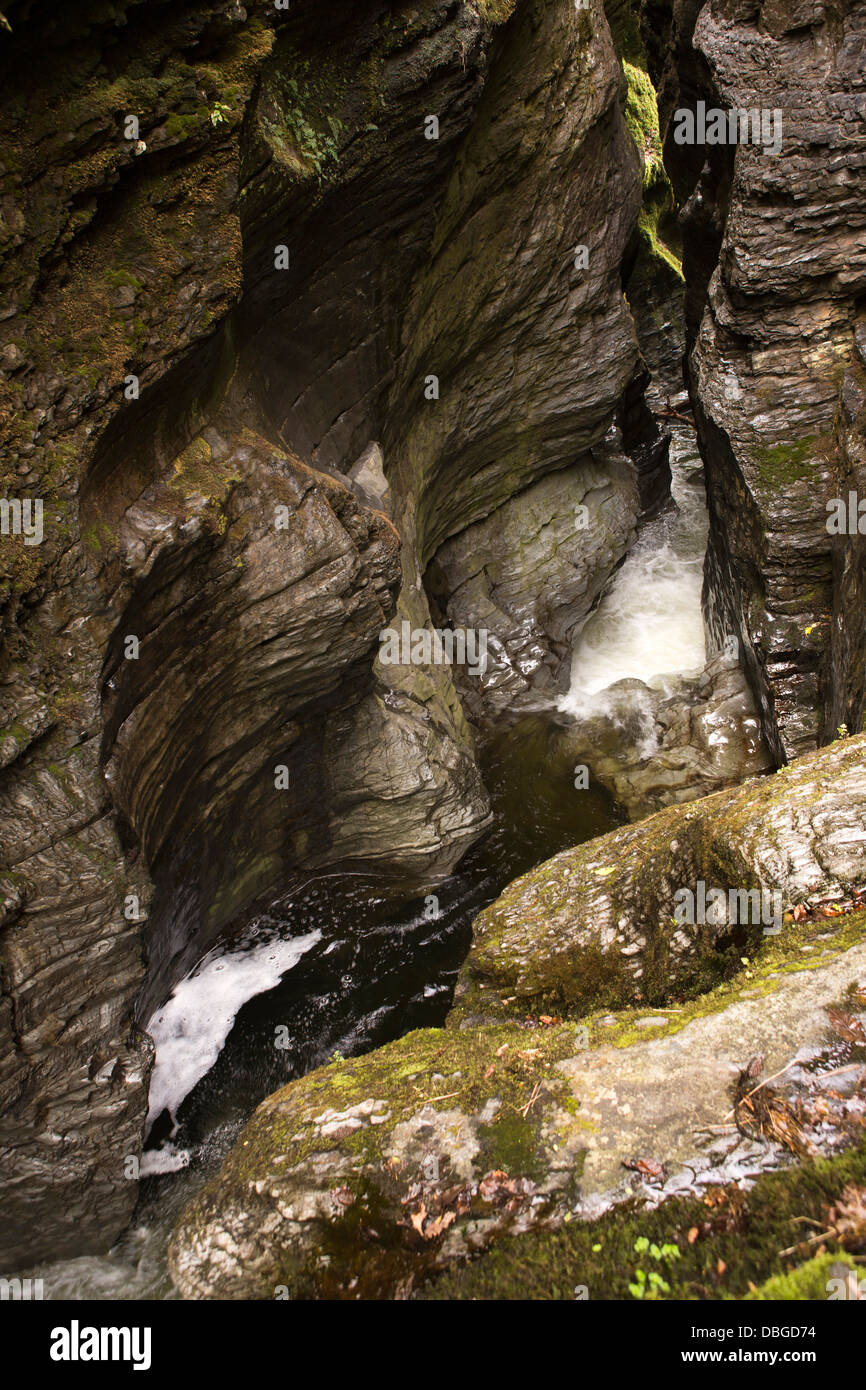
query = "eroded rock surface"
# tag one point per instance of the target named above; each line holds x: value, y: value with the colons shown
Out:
x: 599, y: 922
x: 654, y: 748
x: 776, y: 341
x: 367, y: 1177
x: 166, y: 387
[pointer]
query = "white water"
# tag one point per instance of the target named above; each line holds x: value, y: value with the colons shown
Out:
x: 190, y: 1030
x: 649, y: 625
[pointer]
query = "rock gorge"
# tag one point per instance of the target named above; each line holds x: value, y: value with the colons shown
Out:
x: 288, y: 371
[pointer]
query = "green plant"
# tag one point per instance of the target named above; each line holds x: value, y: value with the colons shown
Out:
x: 651, y: 1285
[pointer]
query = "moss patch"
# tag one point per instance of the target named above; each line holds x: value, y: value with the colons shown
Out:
x: 734, y: 1251
x: 779, y: 465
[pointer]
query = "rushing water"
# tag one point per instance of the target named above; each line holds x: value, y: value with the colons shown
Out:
x: 649, y: 624
x: 342, y: 963
x: 338, y: 965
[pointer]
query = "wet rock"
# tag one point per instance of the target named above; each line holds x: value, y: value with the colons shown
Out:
x: 366, y: 1178
x: 597, y: 924
x: 531, y: 572
x: 217, y: 387
x: 654, y: 748
x: 776, y: 332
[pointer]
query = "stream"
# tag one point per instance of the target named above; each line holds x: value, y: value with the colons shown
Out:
x: 341, y: 965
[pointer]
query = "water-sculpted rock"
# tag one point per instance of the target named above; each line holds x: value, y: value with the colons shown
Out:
x: 655, y: 748
x: 600, y: 923
x: 775, y: 342
x: 366, y: 1177
x: 162, y: 432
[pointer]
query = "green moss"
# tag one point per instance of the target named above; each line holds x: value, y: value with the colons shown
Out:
x: 623, y: 17
x: 807, y: 1282
x: 737, y: 1245
x: 496, y: 11
x: 123, y: 277
x: 642, y: 120
x: 779, y: 465
x: 196, y: 472
x: 653, y: 248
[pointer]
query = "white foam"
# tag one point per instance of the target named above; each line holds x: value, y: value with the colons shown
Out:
x: 166, y: 1159
x: 649, y: 624
x: 190, y: 1030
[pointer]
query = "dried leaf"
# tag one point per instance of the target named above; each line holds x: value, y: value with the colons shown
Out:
x: 648, y: 1167
x: 846, y: 1026
x: 440, y: 1225
x: 848, y: 1217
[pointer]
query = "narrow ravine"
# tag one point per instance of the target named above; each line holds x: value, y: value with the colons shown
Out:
x: 339, y: 967
x: 386, y: 330
x: 649, y: 624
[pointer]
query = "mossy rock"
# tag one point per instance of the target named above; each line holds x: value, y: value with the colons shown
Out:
x: 727, y: 1247
x: 811, y: 1281
x: 371, y: 1175
x: 336, y: 1185
x: 601, y: 924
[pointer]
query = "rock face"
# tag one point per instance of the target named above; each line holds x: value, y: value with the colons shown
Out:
x: 654, y: 748
x: 213, y: 743
x: 530, y: 573
x: 367, y: 1177
x: 600, y: 923
x: 249, y: 259
x: 118, y: 260
x: 778, y: 242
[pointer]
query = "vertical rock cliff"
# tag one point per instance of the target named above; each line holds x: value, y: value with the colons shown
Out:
x: 234, y: 256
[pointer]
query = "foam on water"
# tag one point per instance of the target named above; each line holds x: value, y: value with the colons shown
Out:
x: 189, y: 1031
x: 649, y: 625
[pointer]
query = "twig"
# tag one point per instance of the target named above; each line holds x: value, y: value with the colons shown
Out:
x: 674, y: 415
x: 810, y: 1240
x: 749, y: 1094
x: 837, y: 1071
x: 532, y: 1099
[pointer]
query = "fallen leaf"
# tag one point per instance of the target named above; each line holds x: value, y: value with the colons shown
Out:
x: 846, y: 1026
x: 648, y: 1167
x: 693, y: 1234
x: 848, y: 1218
x: 417, y: 1219
x: 440, y: 1225
x: 490, y: 1071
